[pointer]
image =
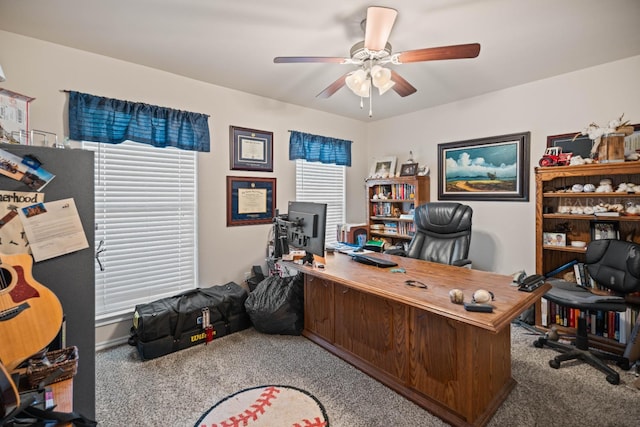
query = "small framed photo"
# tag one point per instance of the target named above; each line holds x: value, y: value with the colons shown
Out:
x: 383, y: 167
x: 250, y: 149
x: 409, y: 169
x: 554, y: 239
x: 604, y: 230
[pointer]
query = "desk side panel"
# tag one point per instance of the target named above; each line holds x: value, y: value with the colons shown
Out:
x: 318, y: 307
x: 461, y: 366
x: 374, y: 329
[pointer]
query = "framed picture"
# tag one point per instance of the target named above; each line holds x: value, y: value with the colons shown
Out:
x: 408, y: 169
x: 493, y: 169
x: 604, y: 230
x: 383, y: 167
x: 554, y: 239
x: 250, y: 200
x: 581, y: 145
x: 250, y: 149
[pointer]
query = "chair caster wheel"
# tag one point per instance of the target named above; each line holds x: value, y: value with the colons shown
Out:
x: 624, y: 365
x: 538, y: 344
x: 613, y: 379
x: 554, y: 364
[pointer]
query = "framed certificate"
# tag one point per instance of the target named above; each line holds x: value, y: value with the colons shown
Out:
x: 250, y: 200
x: 250, y: 149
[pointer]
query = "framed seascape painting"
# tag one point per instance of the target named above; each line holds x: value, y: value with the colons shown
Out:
x: 491, y: 169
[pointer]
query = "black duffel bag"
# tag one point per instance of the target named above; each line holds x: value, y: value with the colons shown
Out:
x: 177, y: 322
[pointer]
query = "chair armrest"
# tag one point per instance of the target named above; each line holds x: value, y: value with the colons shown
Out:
x: 396, y: 251
x: 462, y: 263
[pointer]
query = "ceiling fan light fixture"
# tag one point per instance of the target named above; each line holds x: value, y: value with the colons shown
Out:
x: 359, y: 83
x: 382, y: 89
x: 381, y: 78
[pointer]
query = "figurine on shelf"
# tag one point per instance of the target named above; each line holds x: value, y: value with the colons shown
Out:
x: 410, y: 159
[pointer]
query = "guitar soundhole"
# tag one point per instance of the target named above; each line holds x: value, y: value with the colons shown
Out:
x: 5, y: 278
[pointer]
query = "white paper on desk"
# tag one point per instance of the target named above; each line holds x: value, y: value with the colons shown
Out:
x: 53, y: 228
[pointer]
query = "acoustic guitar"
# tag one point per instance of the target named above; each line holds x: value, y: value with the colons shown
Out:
x: 9, y: 396
x: 30, y: 314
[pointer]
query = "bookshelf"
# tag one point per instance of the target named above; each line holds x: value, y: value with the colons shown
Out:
x: 390, y: 204
x: 554, y: 204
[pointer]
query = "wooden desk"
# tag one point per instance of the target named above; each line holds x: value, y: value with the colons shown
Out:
x: 63, y: 395
x: 454, y: 363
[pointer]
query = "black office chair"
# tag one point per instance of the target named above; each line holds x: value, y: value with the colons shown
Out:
x: 443, y: 234
x: 615, y: 265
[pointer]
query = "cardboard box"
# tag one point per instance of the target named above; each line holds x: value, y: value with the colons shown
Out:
x: 14, y: 117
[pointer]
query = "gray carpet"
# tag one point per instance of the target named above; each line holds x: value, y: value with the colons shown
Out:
x: 175, y: 390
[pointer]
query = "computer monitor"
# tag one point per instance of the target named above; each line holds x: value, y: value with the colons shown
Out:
x: 305, y: 227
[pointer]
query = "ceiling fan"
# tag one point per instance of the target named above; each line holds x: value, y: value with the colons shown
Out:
x: 371, y: 54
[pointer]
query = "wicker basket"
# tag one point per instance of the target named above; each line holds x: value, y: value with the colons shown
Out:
x: 68, y: 365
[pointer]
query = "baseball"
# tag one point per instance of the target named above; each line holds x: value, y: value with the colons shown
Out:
x: 456, y: 296
x: 481, y: 296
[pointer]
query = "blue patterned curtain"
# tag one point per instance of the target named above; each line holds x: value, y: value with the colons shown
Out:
x: 98, y: 119
x: 316, y: 148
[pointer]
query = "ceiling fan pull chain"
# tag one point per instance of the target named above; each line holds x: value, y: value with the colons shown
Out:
x: 361, y: 103
x: 370, y: 101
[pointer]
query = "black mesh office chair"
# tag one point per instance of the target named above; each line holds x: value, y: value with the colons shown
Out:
x: 615, y: 265
x: 443, y: 234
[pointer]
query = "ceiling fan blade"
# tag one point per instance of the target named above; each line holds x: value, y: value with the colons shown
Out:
x: 379, y: 23
x: 333, y: 87
x: 293, y: 59
x: 401, y: 86
x: 437, y: 53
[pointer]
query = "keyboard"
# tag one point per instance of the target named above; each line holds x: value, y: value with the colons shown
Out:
x: 371, y: 260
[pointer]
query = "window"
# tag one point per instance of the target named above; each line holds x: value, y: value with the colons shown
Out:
x: 145, y: 213
x: 323, y: 183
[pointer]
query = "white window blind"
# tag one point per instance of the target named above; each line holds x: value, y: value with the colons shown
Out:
x: 145, y: 214
x: 323, y: 183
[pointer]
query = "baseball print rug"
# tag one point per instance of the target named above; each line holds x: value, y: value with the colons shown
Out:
x: 266, y: 406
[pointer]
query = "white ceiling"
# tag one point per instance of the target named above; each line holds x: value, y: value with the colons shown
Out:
x: 232, y: 43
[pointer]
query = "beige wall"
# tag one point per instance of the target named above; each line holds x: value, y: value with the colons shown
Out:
x: 503, y: 237
x: 43, y: 70
x: 503, y: 232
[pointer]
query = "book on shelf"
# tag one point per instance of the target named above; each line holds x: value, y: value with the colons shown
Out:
x: 577, y: 271
x: 632, y: 350
x: 621, y: 327
x: 544, y: 312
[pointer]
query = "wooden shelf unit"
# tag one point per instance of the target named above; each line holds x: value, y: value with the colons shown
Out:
x: 402, y: 194
x: 549, y: 197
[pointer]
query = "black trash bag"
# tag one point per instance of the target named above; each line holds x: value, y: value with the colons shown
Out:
x: 276, y: 305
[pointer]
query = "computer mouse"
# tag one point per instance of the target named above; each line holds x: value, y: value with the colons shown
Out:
x: 358, y: 249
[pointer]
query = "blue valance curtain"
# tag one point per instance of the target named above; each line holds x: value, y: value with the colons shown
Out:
x: 316, y: 148
x: 98, y: 119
